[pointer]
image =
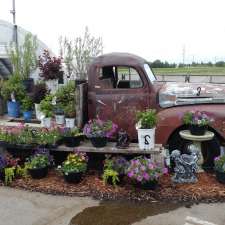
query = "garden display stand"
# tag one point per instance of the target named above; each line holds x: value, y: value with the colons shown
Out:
x: 197, y: 140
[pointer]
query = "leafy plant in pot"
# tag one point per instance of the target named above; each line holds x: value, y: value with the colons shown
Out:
x: 13, y: 92
x: 38, y: 164
x: 145, y: 126
x: 38, y: 94
x: 70, y: 114
x: 197, y: 121
x: 27, y: 106
x: 71, y: 136
x: 47, y: 108
x: 220, y: 168
x: 144, y: 173
x: 74, y: 167
x: 98, y: 131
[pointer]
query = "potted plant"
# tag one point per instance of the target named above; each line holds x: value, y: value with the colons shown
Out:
x: 70, y: 113
x: 51, y: 69
x: 71, y: 136
x: 74, y: 167
x: 114, y: 169
x: 147, y: 121
x: 220, y: 168
x: 38, y: 164
x: 98, y: 131
x: 59, y: 115
x: 197, y: 121
x: 38, y: 94
x: 144, y: 173
x: 47, y: 107
x: 27, y: 106
x: 13, y: 92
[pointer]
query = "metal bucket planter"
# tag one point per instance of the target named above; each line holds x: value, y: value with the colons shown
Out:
x: 70, y: 122
x: 146, y: 138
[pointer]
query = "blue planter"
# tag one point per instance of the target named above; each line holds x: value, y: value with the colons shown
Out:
x: 27, y: 115
x: 13, y: 109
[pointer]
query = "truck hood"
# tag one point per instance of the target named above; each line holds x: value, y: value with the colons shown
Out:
x: 172, y: 94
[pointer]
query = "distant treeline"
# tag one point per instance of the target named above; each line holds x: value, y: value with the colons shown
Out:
x: 160, y: 64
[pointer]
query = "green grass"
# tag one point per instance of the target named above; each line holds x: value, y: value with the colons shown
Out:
x: 191, y: 70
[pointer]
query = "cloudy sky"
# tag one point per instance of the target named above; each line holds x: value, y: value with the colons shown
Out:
x: 154, y: 29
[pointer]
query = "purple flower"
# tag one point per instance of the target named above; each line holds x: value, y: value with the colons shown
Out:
x: 165, y: 170
x: 130, y: 174
x: 146, y: 176
x: 139, y: 178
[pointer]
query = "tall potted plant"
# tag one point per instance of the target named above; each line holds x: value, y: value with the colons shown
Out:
x: 27, y: 107
x: 13, y: 92
x: 47, y: 108
x: 38, y: 94
x: 51, y: 69
x: 147, y: 121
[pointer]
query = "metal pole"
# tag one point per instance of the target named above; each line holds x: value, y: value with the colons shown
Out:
x: 15, y: 34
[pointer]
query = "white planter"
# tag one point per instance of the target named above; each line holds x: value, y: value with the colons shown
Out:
x: 47, y: 122
x: 146, y: 138
x: 52, y: 85
x: 38, y: 113
x: 70, y: 122
x: 60, y: 119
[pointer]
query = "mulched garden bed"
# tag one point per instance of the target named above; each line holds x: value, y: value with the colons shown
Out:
x: 207, y: 189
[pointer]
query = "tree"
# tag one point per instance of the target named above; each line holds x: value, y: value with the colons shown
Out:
x: 24, y: 57
x: 78, y: 54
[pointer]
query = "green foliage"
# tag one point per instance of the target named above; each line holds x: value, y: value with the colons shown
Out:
x: 13, y: 86
x: 187, y: 118
x: 147, y: 119
x: 9, y: 175
x: 72, y: 132
x: 24, y: 58
x: 38, y: 161
x: 27, y: 104
x: 110, y: 174
x: 75, y: 163
x: 46, y: 105
x: 22, y: 171
x: 70, y: 110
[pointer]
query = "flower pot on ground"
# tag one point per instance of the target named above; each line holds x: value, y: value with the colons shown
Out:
x: 98, y: 131
x: 71, y: 136
x: 197, y: 121
x: 74, y: 167
x: 147, y: 121
x: 13, y: 109
x: 39, y: 163
x: 27, y: 106
x: 220, y: 168
x: 144, y: 173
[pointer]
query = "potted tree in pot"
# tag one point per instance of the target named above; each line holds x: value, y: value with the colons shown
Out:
x: 98, y: 131
x: 144, y: 173
x: 51, y: 70
x: 47, y: 107
x: 27, y: 106
x: 38, y: 94
x: 38, y: 164
x: 13, y: 92
x: 147, y: 121
x: 197, y: 121
x: 220, y: 168
x: 74, y: 167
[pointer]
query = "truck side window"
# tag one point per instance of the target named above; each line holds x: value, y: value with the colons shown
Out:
x: 128, y: 77
x: 107, y: 77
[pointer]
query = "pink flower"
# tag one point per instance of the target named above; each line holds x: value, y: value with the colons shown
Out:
x: 146, y: 176
x: 165, y: 170
x: 130, y: 174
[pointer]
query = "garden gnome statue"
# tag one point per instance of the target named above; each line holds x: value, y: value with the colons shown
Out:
x: 185, y: 166
x: 123, y: 139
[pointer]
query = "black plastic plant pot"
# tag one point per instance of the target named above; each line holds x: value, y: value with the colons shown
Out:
x: 72, y: 141
x: 38, y: 173
x: 198, y: 130
x: 98, y: 142
x: 150, y: 185
x: 73, y: 177
x: 220, y: 176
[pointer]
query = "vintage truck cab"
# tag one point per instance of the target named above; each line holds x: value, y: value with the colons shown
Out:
x: 119, y: 84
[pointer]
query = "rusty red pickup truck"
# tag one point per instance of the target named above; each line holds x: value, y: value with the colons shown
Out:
x: 119, y: 84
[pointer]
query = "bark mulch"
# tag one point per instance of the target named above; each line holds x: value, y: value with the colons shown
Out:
x: 207, y: 189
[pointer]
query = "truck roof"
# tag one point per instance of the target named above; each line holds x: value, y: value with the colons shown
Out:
x: 118, y: 58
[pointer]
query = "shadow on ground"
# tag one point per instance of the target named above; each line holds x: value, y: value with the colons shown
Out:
x: 121, y: 213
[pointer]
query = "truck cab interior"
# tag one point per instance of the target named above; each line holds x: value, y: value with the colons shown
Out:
x: 119, y: 77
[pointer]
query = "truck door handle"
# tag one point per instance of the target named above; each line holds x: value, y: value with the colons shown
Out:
x: 101, y: 102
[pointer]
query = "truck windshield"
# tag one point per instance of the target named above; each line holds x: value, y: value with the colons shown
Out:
x: 149, y: 72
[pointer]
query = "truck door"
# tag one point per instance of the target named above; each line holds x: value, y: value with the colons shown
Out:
x: 121, y: 91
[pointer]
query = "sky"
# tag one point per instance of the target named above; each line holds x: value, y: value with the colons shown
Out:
x: 170, y: 30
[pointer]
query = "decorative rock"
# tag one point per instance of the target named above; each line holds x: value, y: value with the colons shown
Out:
x: 185, y: 166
